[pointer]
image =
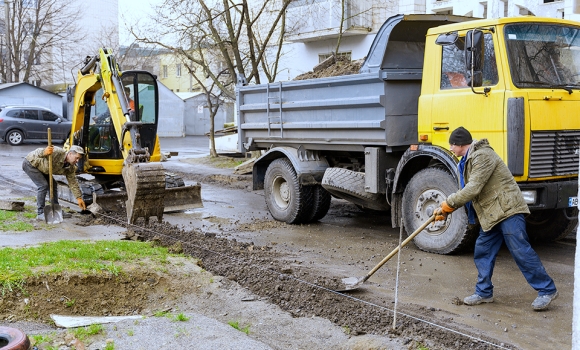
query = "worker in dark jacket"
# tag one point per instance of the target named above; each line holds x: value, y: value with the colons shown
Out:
x: 488, y: 188
x: 35, y: 165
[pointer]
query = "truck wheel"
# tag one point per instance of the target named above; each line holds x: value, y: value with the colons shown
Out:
x: 424, y: 193
x: 350, y: 185
x: 551, y: 225
x: 15, y: 137
x: 320, y: 203
x: 286, y: 200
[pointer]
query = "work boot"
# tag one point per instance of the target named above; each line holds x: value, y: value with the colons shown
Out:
x: 477, y: 299
x: 40, y: 217
x: 542, y: 302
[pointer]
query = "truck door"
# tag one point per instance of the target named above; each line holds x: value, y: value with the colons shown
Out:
x: 455, y: 104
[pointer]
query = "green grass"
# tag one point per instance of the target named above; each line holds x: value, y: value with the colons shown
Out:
x: 180, y: 317
x: 42, y: 338
x: 16, y: 220
x: 16, y: 264
x: 219, y: 162
x: 236, y: 325
x: 83, y: 333
x: 161, y: 313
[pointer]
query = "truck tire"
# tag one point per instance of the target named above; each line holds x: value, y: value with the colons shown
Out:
x: 424, y: 193
x: 320, y: 203
x: 286, y: 200
x: 551, y: 225
x: 13, y: 339
x: 350, y: 185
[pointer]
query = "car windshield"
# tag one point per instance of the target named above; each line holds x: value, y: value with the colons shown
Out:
x: 544, y: 55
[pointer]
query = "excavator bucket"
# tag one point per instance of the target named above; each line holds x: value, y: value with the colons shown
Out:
x: 145, y: 186
x: 174, y: 199
x: 182, y: 198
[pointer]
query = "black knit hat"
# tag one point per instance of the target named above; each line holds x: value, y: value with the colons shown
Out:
x: 460, y: 137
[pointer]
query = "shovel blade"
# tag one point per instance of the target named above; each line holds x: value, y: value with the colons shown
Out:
x: 350, y: 284
x: 53, y: 214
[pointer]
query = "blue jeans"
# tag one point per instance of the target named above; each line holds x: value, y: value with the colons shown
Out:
x: 40, y: 179
x: 513, y: 231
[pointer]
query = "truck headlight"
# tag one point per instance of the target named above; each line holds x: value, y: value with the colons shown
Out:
x: 530, y: 196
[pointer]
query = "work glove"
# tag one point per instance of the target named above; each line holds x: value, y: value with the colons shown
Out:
x: 48, y: 150
x: 442, y: 212
x: 81, y: 203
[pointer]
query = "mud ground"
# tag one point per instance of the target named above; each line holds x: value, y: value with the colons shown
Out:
x: 296, y: 275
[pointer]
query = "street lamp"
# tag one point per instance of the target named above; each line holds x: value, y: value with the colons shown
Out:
x: 7, y: 34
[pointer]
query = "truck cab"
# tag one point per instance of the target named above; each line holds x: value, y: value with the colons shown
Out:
x: 524, y: 98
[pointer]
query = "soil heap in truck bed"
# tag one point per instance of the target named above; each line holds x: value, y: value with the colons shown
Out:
x: 331, y: 67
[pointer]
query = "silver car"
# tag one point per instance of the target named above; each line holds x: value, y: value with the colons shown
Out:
x: 19, y: 123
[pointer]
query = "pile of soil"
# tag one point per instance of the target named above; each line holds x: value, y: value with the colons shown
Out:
x: 340, y: 66
x: 138, y: 288
x: 303, y: 292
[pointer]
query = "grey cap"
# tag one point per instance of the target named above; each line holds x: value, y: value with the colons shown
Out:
x: 77, y: 149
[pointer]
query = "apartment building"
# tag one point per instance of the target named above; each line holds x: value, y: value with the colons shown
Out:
x: 314, y: 25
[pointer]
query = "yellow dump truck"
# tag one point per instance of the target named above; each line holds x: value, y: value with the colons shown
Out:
x: 380, y: 138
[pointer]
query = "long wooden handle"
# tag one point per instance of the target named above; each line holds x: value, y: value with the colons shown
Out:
x: 391, y: 254
x: 50, y: 165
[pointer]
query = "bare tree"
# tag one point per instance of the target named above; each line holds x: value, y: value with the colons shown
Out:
x: 41, y: 34
x: 222, y: 40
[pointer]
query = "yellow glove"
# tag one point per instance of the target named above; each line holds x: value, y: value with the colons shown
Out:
x: 48, y: 150
x: 442, y: 212
x: 82, y: 204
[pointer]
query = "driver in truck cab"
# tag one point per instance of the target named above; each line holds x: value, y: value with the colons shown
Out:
x: 489, y: 189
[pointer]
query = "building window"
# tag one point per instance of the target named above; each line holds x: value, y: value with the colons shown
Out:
x: 178, y: 69
x: 29, y: 3
x: 36, y: 82
x: 164, y: 71
x: 346, y: 56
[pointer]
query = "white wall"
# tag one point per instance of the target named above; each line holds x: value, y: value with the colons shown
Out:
x: 171, y: 112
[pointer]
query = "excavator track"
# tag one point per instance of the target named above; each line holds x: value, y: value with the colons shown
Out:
x: 145, y: 186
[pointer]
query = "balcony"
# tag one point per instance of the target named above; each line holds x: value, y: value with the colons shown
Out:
x: 311, y: 20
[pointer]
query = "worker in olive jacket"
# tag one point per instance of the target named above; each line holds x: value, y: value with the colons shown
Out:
x: 35, y: 165
x: 489, y: 189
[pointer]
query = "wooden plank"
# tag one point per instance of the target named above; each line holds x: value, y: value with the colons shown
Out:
x: 11, y: 205
x: 246, y: 167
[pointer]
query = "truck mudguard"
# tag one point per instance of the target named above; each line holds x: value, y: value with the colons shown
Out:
x: 421, y: 158
x: 412, y: 161
x: 309, y: 166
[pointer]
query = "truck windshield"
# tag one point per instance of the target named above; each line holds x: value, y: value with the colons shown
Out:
x: 544, y: 55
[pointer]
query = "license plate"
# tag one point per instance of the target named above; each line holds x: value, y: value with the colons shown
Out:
x: 573, y: 201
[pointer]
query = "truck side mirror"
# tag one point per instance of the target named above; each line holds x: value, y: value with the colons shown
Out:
x: 446, y: 39
x: 474, y: 54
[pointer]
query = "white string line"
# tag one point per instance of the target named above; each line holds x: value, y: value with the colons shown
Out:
x: 239, y: 260
x: 298, y: 279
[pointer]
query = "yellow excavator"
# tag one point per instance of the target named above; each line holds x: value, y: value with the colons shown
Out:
x: 115, y: 118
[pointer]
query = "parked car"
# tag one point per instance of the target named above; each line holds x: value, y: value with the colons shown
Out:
x: 19, y: 123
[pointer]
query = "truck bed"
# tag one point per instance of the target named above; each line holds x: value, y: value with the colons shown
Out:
x: 337, y: 113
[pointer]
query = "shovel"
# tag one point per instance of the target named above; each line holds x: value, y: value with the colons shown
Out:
x: 353, y: 283
x: 52, y: 212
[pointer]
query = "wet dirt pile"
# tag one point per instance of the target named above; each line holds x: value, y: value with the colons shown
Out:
x: 104, y: 294
x: 340, y: 66
x: 300, y: 291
